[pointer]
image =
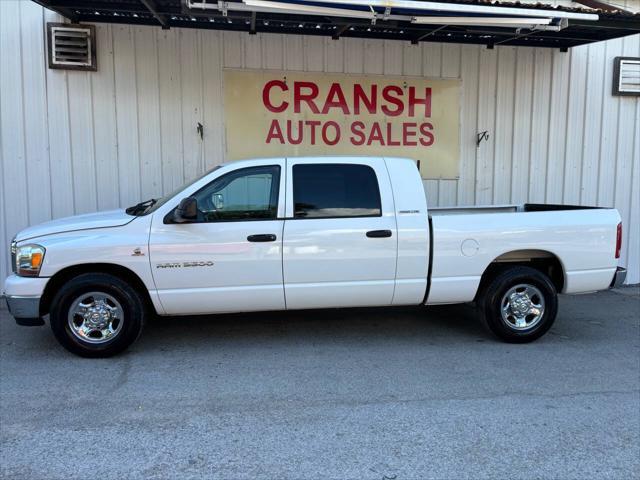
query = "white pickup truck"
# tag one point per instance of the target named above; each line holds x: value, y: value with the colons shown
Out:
x: 300, y: 233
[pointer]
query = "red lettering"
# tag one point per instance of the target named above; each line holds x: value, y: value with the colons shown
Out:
x: 386, y: 94
x: 275, y: 132
x: 290, y: 139
x: 335, y: 90
x: 376, y: 134
x: 313, y: 124
x: 336, y: 138
x: 390, y: 141
x: 425, y: 130
x: 267, y: 101
x: 408, y: 130
x: 356, y: 129
x: 426, y: 101
x: 307, y: 98
x: 359, y: 96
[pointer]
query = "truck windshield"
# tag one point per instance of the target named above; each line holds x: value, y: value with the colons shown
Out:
x: 151, y: 205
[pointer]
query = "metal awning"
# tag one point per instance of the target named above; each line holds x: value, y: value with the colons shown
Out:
x: 460, y: 21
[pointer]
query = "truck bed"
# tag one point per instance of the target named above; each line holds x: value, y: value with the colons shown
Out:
x: 466, y: 240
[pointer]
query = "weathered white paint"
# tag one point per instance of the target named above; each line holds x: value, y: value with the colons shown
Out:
x: 74, y: 142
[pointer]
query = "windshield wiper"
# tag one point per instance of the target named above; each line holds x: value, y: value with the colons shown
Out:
x: 141, y: 207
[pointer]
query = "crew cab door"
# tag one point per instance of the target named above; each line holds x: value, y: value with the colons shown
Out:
x: 230, y: 258
x: 340, y: 242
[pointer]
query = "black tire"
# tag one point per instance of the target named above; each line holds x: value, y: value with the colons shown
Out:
x: 133, y: 314
x: 493, y: 295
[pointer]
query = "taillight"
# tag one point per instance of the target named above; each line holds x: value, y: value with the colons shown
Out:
x: 619, y: 240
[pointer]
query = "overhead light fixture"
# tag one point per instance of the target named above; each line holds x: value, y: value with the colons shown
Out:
x: 282, y: 7
x: 268, y: 6
x: 503, y: 16
x: 465, y: 8
x: 507, y: 22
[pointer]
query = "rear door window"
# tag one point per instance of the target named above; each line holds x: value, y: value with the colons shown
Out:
x: 335, y: 191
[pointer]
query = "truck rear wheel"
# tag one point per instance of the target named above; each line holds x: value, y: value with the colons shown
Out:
x: 97, y: 315
x: 519, y: 304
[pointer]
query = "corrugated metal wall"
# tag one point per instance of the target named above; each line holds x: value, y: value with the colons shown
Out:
x: 74, y: 142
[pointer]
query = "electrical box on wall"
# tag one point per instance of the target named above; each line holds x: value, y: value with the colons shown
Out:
x: 626, y: 76
x: 71, y: 47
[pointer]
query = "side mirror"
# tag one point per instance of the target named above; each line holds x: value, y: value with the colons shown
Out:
x: 187, y: 211
x: 218, y: 201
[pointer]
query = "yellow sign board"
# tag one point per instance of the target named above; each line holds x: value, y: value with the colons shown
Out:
x: 273, y: 113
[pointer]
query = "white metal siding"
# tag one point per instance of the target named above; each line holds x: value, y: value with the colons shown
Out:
x: 74, y: 142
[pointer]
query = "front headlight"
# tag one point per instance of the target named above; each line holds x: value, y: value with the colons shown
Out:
x: 29, y: 260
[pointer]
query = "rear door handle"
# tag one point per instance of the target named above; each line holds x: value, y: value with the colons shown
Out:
x: 379, y: 233
x: 262, y: 237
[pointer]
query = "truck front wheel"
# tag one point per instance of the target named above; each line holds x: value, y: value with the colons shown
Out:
x: 519, y: 304
x: 97, y: 315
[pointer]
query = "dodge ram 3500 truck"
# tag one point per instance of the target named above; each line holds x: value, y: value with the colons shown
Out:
x: 300, y: 233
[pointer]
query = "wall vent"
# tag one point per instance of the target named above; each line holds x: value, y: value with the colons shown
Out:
x: 626, y: 76
x: 71, y: 47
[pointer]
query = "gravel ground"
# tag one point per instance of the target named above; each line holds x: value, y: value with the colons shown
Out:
x: 380, y: 394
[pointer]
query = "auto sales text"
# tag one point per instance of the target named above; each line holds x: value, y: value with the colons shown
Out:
x: 361, y: 109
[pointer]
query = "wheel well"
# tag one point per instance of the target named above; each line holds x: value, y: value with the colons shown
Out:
x: 543, y: 261
x: 64, y: 275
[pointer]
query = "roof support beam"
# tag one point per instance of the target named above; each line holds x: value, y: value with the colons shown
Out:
x: 340, y: 31
x: 515, y: 37
x: 151, y: 6
x: 625, y: 24
x: 415, y: 41
x: 541, y: 34
x: 252, y: 26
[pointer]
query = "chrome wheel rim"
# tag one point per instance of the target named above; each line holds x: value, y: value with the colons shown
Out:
x: 95, y: 317
x: 522, y: 307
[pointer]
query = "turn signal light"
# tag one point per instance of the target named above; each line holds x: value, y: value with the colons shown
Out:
x: 36, y: 260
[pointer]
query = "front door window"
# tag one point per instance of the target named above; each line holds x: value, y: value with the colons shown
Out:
x: 244, y: 194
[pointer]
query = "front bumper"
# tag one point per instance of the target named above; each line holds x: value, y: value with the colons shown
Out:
x: 23, y: 295
x: 25, y: 310
x: 618, y: 277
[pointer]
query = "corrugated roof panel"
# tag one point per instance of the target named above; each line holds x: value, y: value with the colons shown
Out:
x: 391, y: 24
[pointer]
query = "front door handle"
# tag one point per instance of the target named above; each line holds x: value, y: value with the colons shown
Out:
x: 379, y: 233
x: 262, y: 237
